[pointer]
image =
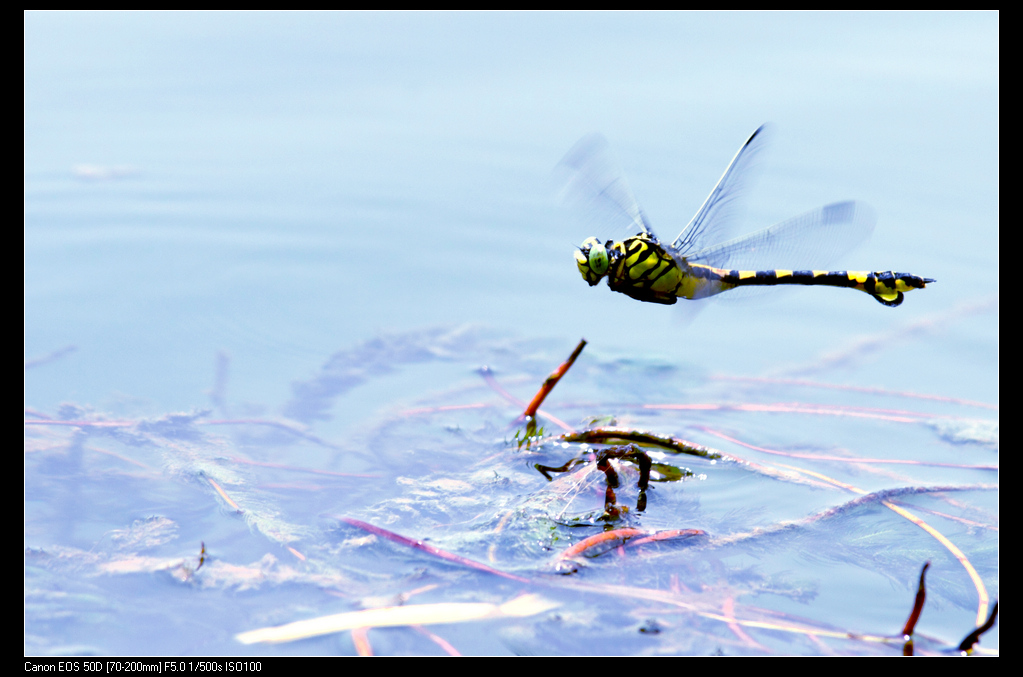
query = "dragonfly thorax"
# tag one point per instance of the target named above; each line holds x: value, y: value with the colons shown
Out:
x: 593, y: 259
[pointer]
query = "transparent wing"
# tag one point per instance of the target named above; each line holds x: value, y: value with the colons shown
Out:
x: 592, y: 180
x: 810, y: 241
x: 716, y: 219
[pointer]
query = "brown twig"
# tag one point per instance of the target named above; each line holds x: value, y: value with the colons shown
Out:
x: 973, y: 638
x: 603, y: 435
x: 552, y: 380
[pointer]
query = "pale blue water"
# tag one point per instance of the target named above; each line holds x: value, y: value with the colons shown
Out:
x: 275, y: 188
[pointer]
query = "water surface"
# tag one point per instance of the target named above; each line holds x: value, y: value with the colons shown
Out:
x: 325, y: 221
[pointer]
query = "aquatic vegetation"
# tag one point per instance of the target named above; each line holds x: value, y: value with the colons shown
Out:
x: 767, y: 521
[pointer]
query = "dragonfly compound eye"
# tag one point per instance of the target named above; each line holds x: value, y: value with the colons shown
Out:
x: 592, y: 260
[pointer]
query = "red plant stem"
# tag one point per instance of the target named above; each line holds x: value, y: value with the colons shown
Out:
x: 552, y: 380
x: 603, y: 537
x: 918, y: 605
x: 436, y: 552
x: 624, y: 535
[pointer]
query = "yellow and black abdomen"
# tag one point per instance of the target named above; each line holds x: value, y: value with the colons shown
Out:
x: 886, y: 287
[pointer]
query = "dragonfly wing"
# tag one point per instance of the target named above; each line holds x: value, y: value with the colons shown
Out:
x: 716, y: 219
x: 592, y: 179
x: 810, y: 241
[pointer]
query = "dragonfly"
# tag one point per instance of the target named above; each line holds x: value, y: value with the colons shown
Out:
x: 702, y: 261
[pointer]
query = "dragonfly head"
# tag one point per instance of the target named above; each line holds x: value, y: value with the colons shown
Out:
x: 593, y: 260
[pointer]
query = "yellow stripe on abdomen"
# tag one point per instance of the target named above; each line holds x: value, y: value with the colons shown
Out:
x: 887, y: 287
